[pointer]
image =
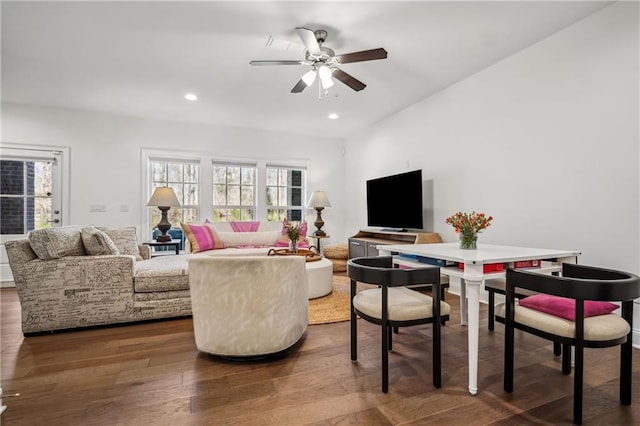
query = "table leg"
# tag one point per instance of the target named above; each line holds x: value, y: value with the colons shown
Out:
x: 473, y: 287
x: 463, y: 302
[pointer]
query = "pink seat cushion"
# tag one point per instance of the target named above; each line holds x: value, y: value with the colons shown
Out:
x: 565, y: 308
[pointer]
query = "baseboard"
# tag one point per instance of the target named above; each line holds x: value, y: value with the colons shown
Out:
x: 7, y: 284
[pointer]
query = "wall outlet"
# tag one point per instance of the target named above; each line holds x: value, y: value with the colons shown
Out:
x: 97, y: 208
x: 124, y: 208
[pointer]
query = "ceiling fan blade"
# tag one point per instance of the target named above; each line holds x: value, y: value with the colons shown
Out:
x: 278, y: 63
x: 299, y: 87
x: 349, y: 80
x: 309, y: 40
x: 365, y: 55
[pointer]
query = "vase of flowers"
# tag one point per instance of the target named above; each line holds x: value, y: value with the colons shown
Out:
x: 468, y: 225
x: 293, y: 231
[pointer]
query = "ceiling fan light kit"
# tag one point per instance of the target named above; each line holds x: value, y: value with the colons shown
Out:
x: 325, y: 64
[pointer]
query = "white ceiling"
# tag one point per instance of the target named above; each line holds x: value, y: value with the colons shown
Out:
x: 140, y: 58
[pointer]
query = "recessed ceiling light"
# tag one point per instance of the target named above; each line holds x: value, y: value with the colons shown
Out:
x: 190, y: 97
x: 333, y: 116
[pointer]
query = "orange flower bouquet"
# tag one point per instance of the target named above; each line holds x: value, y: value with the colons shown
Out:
x: 468, y: 225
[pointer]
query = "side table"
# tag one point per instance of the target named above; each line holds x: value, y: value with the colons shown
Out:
x: 318, y: 238
x: 172, y: 243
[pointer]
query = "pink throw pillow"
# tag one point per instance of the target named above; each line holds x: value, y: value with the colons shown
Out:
x: 245, y: 226
x: 202, y: 237
x: 283, y: 241
x: 565, y: 308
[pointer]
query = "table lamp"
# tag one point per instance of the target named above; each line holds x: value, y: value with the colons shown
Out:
x: 319, y: 201
x: 164, y: 198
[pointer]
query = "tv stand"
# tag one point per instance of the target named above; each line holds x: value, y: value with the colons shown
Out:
x: 366, y: 241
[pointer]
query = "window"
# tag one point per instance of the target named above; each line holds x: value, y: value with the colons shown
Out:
x: 182, y: 176
x: 285, y: 193
x: 222, y: 189
x: 25, y: 196
x: 33, y: 188
x: 234, y: 192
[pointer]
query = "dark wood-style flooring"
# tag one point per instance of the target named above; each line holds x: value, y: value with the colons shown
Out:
x: 152, y: 374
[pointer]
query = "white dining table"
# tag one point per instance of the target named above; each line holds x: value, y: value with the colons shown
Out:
x: 473, y: 275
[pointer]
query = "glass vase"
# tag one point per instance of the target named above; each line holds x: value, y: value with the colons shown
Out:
x: 468, y: 240
x: 293, y: 246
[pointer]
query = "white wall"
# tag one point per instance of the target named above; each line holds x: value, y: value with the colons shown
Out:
x: 106, y: 156
x: 546, y: 141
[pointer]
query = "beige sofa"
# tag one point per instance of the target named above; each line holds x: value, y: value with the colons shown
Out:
x: 61, y: 286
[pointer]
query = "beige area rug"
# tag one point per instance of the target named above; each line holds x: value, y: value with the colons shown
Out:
x: 335, y: 306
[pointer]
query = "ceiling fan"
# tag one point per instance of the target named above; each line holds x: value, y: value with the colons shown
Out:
x: 325, y: 64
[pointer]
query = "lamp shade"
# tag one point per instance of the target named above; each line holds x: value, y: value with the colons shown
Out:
x: 325, y: 76
x: 309, y: 77
x: 318, y: 199
x: 163, y: 197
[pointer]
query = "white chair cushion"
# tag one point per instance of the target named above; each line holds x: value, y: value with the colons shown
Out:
x: 404, y: 304
x: 601, y: 327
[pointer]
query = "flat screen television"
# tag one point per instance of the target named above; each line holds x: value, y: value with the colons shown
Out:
x: 395, y: 202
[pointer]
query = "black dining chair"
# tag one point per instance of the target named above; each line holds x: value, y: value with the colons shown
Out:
x: 558, y: 314
x: 392, y: 305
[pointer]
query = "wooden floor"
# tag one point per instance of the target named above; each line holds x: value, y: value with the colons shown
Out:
x: 152, y: 374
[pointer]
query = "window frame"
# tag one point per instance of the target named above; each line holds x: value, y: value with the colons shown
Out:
x: 227, y: 164
x: 61, y: 181
x: 303, y: 188
x: 168, y: 182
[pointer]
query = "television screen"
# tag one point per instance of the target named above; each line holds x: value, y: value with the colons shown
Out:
x: 395, y: 201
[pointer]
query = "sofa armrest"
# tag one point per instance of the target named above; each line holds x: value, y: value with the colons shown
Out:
x: 145, y: 251
x: 70, y: 272
x: 76, y: 291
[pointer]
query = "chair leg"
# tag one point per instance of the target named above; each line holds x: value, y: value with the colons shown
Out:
x: 385, y: 358
x: 354, y: 326
x: 625, y: 371
x: 492, y: 309
x: 557, y: 349
x: 566, y: 358
x: 626, y: 357
x: 508, y: 355
x: 578, y: 379
x: 390, y: 334
x: 437, y: 353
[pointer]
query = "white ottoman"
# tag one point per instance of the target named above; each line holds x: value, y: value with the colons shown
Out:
x: 320, y: 277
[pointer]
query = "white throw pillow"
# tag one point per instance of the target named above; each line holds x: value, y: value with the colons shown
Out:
x: 249, y: 239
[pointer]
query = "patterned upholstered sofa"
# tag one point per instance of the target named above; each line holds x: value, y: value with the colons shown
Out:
x: 72, y: 277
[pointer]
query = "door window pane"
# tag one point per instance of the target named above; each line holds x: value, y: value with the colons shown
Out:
x: 25, y: 196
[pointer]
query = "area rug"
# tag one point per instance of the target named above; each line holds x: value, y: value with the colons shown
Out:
x: 335, y: 306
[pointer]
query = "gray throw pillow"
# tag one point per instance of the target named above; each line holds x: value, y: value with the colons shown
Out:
x: 97, y: 243
x: 54, y: 243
